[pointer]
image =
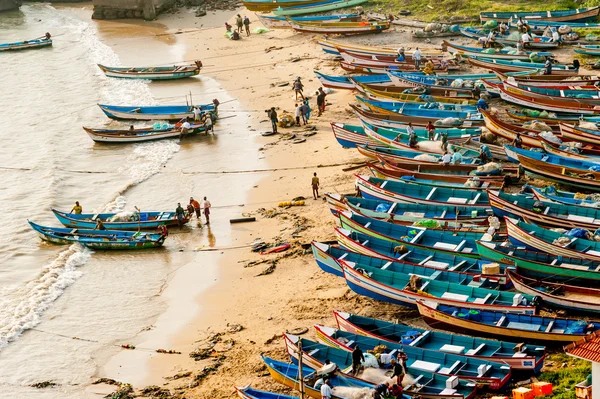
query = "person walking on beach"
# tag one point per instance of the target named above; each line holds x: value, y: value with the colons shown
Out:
x: 77, y: 209
x: 308, y: 110
x: 298, y: 113
x: 206, y: 206
x: 239, y: 22
x: 298, y: 86
x: 247, y: 25
x: 321, y: 91
x: 272, y: 114
x: 417, y: 57
x: 196, y: 206
x: 305, y: 110
x: 320, y: 102
x: 315, y: 186
x: 357, y: 358
x: 179, y: 214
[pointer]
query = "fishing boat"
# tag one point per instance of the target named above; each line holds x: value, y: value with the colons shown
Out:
x: 114, y: 221
x: 540, y: 42
x: 139, y: 135
x: 519, y: 66
x: 388, y: 134
x: 350, y: 136
x: 153, y: 73
x: 501, y: 54
x: 328, y: 258
x: 289, y: 375
x: 580, y: 134
x: 340, y: 27
x: 270, y: 5
x: 380, y: 95
x: 551, y: 194
x: 312, y: 8
x: 405, y: 79
x: 395, y: 288
x: 515, y: 95
x: 402, y: 154
x: 418, y: 117
x: 508, y: 131
x: 588, y: 50
x: 276, y: 22
x: 153, y: 112
x: 549, y: 80
x: 348, y: 82
x: 429, y: 172
x: 540, y: 264
x: 391, y: 61
x: 517, y: 356
x: 485, y: 373
x: 576, y: 15
x: 331, y: 46
x: 550, y: 214
x: 551, y: 120
x: 418, y: 361
x: 552, y: 330
x: 250, y: 393
x: 584, y: 94
x: 26, y: 44
x: 585, y: 152
x: 539, y: 239
x: 558, y: 295
x: 400, y: 191
x: 99, y: 239
x: 400, y: 106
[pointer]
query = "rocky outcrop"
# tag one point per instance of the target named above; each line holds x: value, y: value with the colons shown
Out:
x: 120, y: 9
x: 7, y: 5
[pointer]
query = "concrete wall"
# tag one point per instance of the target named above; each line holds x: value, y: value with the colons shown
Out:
x: 595, y: 380
x: 118, y: 9
x: 6, y: 5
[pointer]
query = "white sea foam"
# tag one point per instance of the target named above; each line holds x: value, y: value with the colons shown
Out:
x: 21, y: 307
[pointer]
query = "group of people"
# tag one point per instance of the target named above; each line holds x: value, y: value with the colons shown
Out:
x: 431, y: 135
x: 416, y: 56
x: 241, y: 23
x: 194, y: 207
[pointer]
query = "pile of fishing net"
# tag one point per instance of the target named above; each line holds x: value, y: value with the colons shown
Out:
x: 427, y: 223
x: 570, y: 37
x: 162, y: 126
x: 490, y: 25
x: 433, y: 27
x: 489, y: 51
x: 426, y: 158
x: 537, y: 125
x: 448, y: 122
x: 535, y: 57
x: 430, y: 105
x: 125, y: 217
x: 473, y: 182
x: 551, y: 137
x: 490, y: 168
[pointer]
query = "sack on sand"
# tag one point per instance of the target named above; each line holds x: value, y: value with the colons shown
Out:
x: 260, y: 30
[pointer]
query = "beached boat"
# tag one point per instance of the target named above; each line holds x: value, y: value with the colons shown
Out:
x: 541, y: 264
x: 587, y: 152
x: 419, y: 117
x: 508, y: 131
x: 350, y: 136
x: 576, y: 15
x: 347, y: 83
x: 405, y: 79
x: 114, y: 221
x: 403, y: 154
x: 550, y: 80
x: 270, y: 5
x: 540, y: 42
x: 250, y: 393
x: 340, y: 27
x: 580, y: 134
x: 153, y: 112
x: 515, y: 95
x: 380, y: 95
x: 139, y: 135
x: 530, y: 328
x: 99, y: 239
x: 519, y: 66
x: 539, y: 239
x: 584, y: 94
x: 550, y: 214
x: 551, y: 194
x: 312, y: 8
x: 401, y: 106
x: 588, y: 50
x: 395, y: 288
x: 552, y: 120
x: 517, y: 356
x: 153, y: 73
x: 400, y: 191
x: 501, y: 54
x: 558, y: 295
x: 26, y: 44
x: 390, y: 61
x: 485, y: 373
x: 328, y: 258
x: 331, y: 46
x: 275, y: 22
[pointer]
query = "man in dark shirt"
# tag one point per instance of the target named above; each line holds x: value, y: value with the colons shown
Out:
x: 272, y: 114
x: 357, y: 359
x: 180, y: 213
x: 398, y: 371
x: 381, y: 390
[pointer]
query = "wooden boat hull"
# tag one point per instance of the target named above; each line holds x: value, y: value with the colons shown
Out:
x: 577, y: 15
x: 331, y: 47
x: 501, y: 67
x: 542, y: 44
x: 126, y: 136
x: 575, y: 133
x: 270, y: 5
x: 148, y: 74
x: 350, y: 139
x: 390, y: 119
x: 341, y: 28
x: 473, y: 51
x: 87, y: 222
x: 550, y: 81
x: 568, y: 176
x: 317, y: 7
x: 170, y: 113
x: 517, y: 96
x: 26, y: 45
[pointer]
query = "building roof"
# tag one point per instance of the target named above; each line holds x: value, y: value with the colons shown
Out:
x: 587, y: 348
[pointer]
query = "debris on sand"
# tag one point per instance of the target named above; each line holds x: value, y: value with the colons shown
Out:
x: 43, y: 384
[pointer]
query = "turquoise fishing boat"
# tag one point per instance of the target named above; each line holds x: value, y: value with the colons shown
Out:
x: 153, y: 112
x: 26, y: 44
x: 250, y: 393
x: 551, y: 194
x: 402, y: 155
x: 277, y: 22
x: 401, y: 191
x: 485, y: 373
x: 345, y: 82
x: 350, y: 136
x: 99, y: 239
x: 540, y: 42
x: 588, y: 50
x: 317, y: 7
x: 113, y: 221
x: 581, y: 94
x: 518, y: 357
x: 400, y: 106
x: 503, y: 54
x: 153, y: 73
x: 514, y: 152
x: 543, y: 16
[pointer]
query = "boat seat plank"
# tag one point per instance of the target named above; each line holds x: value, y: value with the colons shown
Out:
x: 417, y: 237
x: 431, y: 193
x: 425, y: 260
x: 444, y: 245
x: 482, y: 300
x: 425, y: 366
x: 458, y: 265
x: 451, y: 369
x: 392, y: 208
x: 455, y: 297
x: 437, y: 265
x: 523, y: 326
x: 420, y: 338
x: 443, y: 215
x: 457, y: 200
x: 343, y: 256
x: 456, y: 349
x: 365, y: 242
x: 475, y: 351
x: 474, y: 201
x: 549, y: 327
x: 367, y: 225
x: 384, y: 267
x: 501, y: 321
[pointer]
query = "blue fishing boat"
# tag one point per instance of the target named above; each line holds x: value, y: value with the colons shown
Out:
x: 400, y: 106
x: 551, y: 194
x: 250, y: 393
x: 485, y: 373
x: 153, y: 112
x: 518, y: 357
x: 543, y: 16
x: 26, y: 44
x: 504, y: 54
x: 124, y: 221
x: 99, y: 239
x: 425, y: 115
x: 581, y: 94
x: 153, y: 73
x: 541, y: 42
x: 418, y: 361
x: 315, y: 7
x: 429, y: 264
x: 280, y: 22
x: 121, y: 136
x: 401, y: 191
x: 346, y: 82
x: 513, y: 154
x: 402, y: 154
x: 530, y: 328
x: 519, y: 66
x: 349, y: 136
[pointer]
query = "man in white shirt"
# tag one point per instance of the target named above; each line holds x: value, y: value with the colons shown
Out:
x: 526, y: 38
x: 417, y: 57
x: 555, y: 36
x: 206, y: 206
x: 326, y: 391
x: 185, y: 128
x: 196, y: 114
x: 446, y: 158
x: 298, y: 113
x: 208, y: 125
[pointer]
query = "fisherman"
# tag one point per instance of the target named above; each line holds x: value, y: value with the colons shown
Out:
x: 476, y: 91
x: 548, y: 66
x: 239, y: 22
x: 490, y: 39
x: 430, y: 131
x: 272, y: 114
x: 247, y: 25
x: 457, y: 158
x: 298, y: 113
x: 197, y: 113
x: 446, y: 159
x: 179, y: 214
x: 77, y: 209
x: 396, y: 391
x: 235, y: 35
x: 519, y: 46
x: 227, y: 27
x: 298, y: 86
x: 357, y: 358
x: 482, y: 104
x: 398, y: 372
x: 485, y: 154
x: 99, y: 225
x: 307, y: 109
x: 444, y: 137
x: 576, y: 65
x: 321, y: 91
x: 185, y: 128
x: 518, y: 141
x: 196, y: 207
x: 326, y: 391
x: 48, y: 35
x: 526, y: 38
x: 208, y: 124
x: 429, y: 68
x: 417, y: 58
x: 320, y: 102
x: 412, y: 135
x: 315, y: 186
x: 503, y: 28
x: 381, y: 390
x: 206, y: 206
x: 401, y: 55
